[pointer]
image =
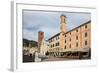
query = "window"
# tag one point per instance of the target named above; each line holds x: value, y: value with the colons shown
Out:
x: 58, y: 43
x: 70, y: 46
x: 76, y: 37
x: 70, y: 39
x: 86, y: 43
x: 65, y: 35
x: 77, y: 44
x: 70, y: 33
x: 86, y: 34
x: 57, y: 37
x: 53, y: 45
x: 65, y: 41
x: 77, y: 30
x: 64, y: 20
x: 65, y: 47
x: 85, y: 26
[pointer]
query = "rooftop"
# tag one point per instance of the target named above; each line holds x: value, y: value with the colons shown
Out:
x: 79, y: 26
x: 71, y: 29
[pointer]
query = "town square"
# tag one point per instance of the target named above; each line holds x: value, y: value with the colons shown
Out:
x: 56, y: 36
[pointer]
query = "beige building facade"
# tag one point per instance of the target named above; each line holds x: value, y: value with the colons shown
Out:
x: 76, y: 39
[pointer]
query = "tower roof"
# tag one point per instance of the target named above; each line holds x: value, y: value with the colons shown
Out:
x: 40, y: 31
x: 63, y: 15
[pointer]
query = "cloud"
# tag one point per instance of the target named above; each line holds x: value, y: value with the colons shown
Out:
x: 49, y: 22
x: 31, y: 35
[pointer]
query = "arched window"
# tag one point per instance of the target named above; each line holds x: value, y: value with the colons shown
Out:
x: 85, y: 34
x: 65, y: 47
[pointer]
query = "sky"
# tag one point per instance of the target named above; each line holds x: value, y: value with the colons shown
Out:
x: 49, y: 22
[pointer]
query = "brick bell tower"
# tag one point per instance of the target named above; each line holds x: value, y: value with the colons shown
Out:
x: 40, y: 38
x: 62, y: 30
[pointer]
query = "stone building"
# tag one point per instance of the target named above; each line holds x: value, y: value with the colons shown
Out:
x: 76, y: 39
